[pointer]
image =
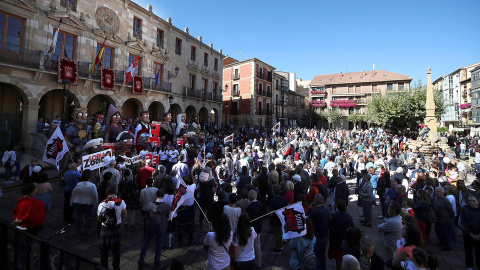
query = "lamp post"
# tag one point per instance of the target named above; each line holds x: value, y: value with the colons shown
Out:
x: 172, y: 75
x: 170, y: 102
x: 66, y: 86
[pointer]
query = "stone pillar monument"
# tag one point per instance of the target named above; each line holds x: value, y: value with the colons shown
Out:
x: 430, y: 119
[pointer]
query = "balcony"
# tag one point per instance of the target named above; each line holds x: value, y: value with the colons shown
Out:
x: 24, y: 57
x: 343, y: 103
x: 318, y: 103
x: 235, y: 93
x: 316, y: 92
x: 178, y: 50
x: 260, y: 92
x: 269, y: 93
x: 261, y: 112
x: 236, y: 76
x: 260, y: 75
x: 208, y: 95
x: 217, y: 98
x: 162, y: 86
x: 194, y: 93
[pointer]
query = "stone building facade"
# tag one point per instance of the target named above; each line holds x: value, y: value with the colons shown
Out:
x: 350, y: 92
x: 248, y: 96
x: 190, y: 75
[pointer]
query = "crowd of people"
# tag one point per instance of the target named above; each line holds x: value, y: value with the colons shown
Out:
x: 231, y: 183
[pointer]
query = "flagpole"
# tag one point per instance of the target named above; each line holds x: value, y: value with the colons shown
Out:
x: 269, y: 213
x: 195, y: 200
x: 94, y: 63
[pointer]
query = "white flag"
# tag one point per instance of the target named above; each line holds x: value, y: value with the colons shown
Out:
x: 228, y: 138
x: 180, y: 196
x: 276, y: 128
x: 55, y: 149
x: 293, y: 220
x: 54, y: 41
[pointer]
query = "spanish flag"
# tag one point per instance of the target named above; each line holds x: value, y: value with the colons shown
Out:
x: 97, y: 59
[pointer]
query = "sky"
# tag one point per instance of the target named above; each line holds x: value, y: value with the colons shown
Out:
x: 325, y: 37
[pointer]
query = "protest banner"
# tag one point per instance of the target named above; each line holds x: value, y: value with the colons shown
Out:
x: 95, y: 160
x: 55, y: 149
x: 132, y: 160
x: 112, y: 146
x: 155, y: 133
x: 293, y: 220
x: 155, y: 160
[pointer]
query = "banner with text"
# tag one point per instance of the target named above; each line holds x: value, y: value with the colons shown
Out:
x: 95, y: 161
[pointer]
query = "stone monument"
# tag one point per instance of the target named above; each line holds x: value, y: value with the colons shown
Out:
x: 430, y: 119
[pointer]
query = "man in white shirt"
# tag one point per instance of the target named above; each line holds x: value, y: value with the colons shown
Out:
x: 110, y: 235
x: 329, y: 166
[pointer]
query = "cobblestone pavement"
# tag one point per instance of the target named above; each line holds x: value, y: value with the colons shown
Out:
x: 194, y: 256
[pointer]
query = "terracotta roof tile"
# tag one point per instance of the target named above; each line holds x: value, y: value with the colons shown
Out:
x: 359, y: 77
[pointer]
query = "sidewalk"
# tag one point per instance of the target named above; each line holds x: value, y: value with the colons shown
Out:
x: 194, y: 256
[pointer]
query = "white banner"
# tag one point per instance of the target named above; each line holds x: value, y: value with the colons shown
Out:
x: 132, y: 160
x: 228, y: 138
x: 95, y: 160
x: 293, y: 220
x: 55, y: 149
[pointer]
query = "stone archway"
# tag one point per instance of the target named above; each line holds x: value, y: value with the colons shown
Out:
x: 131, y: 108
x: 51, y: 104
x: 203, y: 116
x: 156, y: 111
x: 190, y: 112
x: 175, y: 109
x: 12, y: 108
x: 99, y: 103
x: 214, y: 117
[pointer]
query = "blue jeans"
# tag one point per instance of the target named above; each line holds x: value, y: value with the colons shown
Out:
x: 160, y: 238
x: 83, y: 215
x: 320, y: 250
x: 477, y: 167
x: 445, y: 236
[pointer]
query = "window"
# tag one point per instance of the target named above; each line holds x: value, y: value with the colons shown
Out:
x: 159, y: 38
x: 401, y: 86
x: 178, y: 46
x: 191, y: 81
x: 236, y: 75
x: 215, y: 66
x: 11, y: 32
x: 156, y: 67
x: 268, y: 108
x: 214, y: 88
x: 71, y: 4
x: 107, y: 57
x: 205, y: 59
x: 236, y: 92
x: 268, y: 91
x: 137, y: 28
x: 65, y: 45
x: 193, y: 53
x: 374, y: 88
x: 137, y: 70
x: 204, y: 85
x: 389, y: 86
x: 260, y: 89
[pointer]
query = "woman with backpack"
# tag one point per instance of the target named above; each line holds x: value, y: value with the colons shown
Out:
x: 243, y: 240
x: 302, y: 256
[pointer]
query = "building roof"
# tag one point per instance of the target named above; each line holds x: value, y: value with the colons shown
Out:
x: 234, y: 62
x: 359, y: 77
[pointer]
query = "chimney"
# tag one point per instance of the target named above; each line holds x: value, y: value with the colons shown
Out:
x: 373, y: 66
x: 341, y: 74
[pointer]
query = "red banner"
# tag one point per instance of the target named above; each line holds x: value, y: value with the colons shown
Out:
x: 112, y: 146
x: 67, y: 68
x: 148, y: 156
x: 155, y: 131
x: 180, y: 141
x: 137, y: 85
x: 155, y: 160
x: 107, y: 79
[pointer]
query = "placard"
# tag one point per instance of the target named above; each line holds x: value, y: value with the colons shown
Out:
x: 132, y: 160
x: 112, y: 146
x: 95, y: 160
x: 155, y: 133
x: 155, y: 160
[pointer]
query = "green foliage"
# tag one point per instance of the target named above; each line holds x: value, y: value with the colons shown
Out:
x: 400, y: 110
x: 333, y: 115
x: 442, y: 129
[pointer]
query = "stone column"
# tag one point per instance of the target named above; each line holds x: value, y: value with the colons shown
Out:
x: 430, y: 119
x: 29, y: 127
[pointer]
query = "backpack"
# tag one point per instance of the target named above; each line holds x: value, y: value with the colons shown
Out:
x: 222, y: 173
x: 309, y: 260
x: 108, y: 215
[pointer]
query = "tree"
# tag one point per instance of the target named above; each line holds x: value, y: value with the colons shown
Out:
x: 355, y: 118
x: 400, y: 110
x: 318, y: 116
x: 333, y: 115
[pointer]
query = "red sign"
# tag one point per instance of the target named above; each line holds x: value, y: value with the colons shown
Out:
x: 137, y: 85
x: 112, y: 146
x: 149, y: 156
x: 107, y: 79
x: 155, y: 160
x: 67, y: 69
x: 180, y: 141
x: 155, y: 132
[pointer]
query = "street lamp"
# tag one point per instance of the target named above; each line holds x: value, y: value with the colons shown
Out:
x: 171, y: 75
x: 226, y: 88
x: 66, y: 86
x: 170, y: 102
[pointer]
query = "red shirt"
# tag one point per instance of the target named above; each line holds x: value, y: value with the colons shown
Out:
x: 143, y: 174
x: 31, y: 211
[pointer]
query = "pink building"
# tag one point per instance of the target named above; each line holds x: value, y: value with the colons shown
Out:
x: 350, y: 92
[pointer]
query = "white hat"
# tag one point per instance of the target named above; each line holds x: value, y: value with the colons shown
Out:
x: 446, y: 160
x: 297, y: 178
x: 106, y: 160
x: 399, y: 170
x: 37, y: 169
